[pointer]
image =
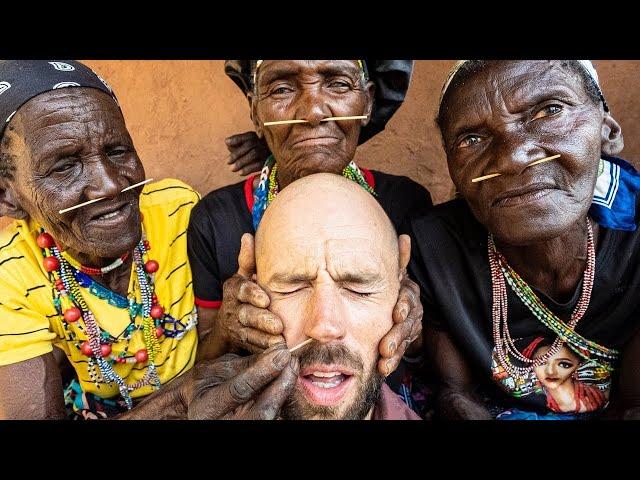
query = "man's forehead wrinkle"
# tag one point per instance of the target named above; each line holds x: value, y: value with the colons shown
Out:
x: 353, y: 263
x: 319, y: 226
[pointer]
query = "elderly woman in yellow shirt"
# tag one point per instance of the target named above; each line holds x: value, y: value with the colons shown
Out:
x: 108, y: 284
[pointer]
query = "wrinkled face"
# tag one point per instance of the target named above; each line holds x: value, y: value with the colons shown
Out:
x: 557, y: 369
x: 505, y: 117
x: 311, y: 90
x: 71, y: 145
x: 337, y: 286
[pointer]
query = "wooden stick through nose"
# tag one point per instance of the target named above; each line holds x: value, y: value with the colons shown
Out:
x: 65, y: 210
x: 542, y: 160
x: 328, y: 119
x: 337, y: 119
x: 492, y: 175
x: 83, y: 204
x: 485, y: 177
x: 137, y: 185
x: 300, y: 345
x: 283, y: 122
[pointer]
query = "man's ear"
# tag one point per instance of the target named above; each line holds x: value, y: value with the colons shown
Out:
x: 404, y: 253
x: 253, y: 109
x: 370, y: 91
x: 9, y: 204
x: 611, y: 136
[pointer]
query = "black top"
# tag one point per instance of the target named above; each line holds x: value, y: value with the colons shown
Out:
x: 450, y: 263
x: 224, y: 215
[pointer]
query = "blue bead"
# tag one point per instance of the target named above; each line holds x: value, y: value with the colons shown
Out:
x: 83, y: 279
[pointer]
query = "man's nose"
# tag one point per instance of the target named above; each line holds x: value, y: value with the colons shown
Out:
x: 325, y: 315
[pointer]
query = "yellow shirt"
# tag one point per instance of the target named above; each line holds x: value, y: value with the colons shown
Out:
x: 30, y: 325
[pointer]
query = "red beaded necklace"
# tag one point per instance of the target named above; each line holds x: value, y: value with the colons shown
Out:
x: 45, y: 240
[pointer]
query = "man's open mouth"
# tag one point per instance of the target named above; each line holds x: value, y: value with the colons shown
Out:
x: 325, y: 384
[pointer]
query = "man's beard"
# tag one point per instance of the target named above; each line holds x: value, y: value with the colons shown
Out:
x: 297, y: 407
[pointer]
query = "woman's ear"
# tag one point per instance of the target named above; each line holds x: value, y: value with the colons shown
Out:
x: 611, y: 136
x: 369, y: 90
x: 9, y: 204
x: 253, y: 105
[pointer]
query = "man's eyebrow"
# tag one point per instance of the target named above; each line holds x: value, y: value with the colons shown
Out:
x: 365, y: 277
x: 286, y: 277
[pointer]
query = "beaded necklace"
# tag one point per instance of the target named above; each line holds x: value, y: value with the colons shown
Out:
x: 268, y: 186
x: 95, y: 271
x: 70, y: 304
x: 504, y: 345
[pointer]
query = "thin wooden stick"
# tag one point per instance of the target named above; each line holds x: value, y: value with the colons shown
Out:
x: 334, y: 119
x: 306, y: 342
x: 328, y: 119
x: 65, y: 210
x: 485, y: 177
x: 542, y: 160
x: 492, y: 175
x: 137, y: 185
x: 284, y: 122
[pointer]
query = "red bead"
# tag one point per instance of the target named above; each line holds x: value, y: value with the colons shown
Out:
x: 142, y: 355
x: 105, y: 349
x: 85, y: 348
x: 72, y: 314
x: 159, y: 332
x: 151, y: 266
x: 50, y: 264
x: 44, y: 240
x: 121, y: 360
x: 154, y: 299
x: 146, y: 244
x: 157, y: 311
x: 90, y: 271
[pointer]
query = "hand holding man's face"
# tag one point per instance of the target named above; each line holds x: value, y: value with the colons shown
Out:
x: 327, y: 255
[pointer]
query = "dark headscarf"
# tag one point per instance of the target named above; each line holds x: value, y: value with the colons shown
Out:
x: 21, y: 80
x: 391, y: 78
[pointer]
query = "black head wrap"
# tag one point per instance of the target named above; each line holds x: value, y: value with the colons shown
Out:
x: 21, y: 80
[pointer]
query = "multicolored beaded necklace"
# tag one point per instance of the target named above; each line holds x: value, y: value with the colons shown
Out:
x: 67, y: 279
x: 268, y: 186
x: 504, y: 345
x: 95, y: 271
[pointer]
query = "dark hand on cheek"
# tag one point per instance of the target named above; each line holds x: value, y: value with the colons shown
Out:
x: 407, y: 319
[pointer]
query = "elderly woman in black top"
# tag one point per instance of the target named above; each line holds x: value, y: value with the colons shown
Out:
x: 317, y: 100
x: 542, y: 243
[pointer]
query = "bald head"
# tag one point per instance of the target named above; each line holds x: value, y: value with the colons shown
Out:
x: 322, y: 207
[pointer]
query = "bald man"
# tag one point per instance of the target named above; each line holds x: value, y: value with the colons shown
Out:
x: 331, y: 262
